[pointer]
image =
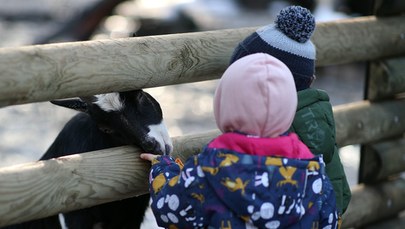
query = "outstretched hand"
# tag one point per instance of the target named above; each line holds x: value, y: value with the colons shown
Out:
x: 149, y: 157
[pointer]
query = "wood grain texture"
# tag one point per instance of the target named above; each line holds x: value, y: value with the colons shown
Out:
x: 373, y: 203
x: 39, y: 189
x: 391, y: 223
x: 382, y: 159
x: 386, y: 78
x: 359, y: 39
x: 45, y: 72
x: 365, y: 122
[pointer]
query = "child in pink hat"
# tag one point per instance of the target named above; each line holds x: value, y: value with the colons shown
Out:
x: 255, y: 174
x: 289, y: 40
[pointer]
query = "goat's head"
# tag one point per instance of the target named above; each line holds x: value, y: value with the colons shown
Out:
x: 132, y: 117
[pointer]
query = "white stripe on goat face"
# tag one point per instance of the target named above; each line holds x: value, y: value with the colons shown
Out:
x: 160, y: 134
x: 109, y: 102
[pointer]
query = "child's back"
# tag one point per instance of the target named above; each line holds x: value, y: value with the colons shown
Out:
x: 254, y: 175
x: 288, y: 39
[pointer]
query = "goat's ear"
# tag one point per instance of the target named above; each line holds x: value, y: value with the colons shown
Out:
x: 89, y: 99
x: 75, y: 104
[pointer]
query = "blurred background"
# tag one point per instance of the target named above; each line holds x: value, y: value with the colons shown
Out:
x: 26, y: 131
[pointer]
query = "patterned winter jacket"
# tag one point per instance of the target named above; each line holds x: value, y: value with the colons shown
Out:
x: 315, y: 125
x: 232, y: 185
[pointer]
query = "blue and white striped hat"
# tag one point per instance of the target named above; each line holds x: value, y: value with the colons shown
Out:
x: 288, y: 40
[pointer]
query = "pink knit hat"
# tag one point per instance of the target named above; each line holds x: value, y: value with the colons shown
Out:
x: 256, y: 95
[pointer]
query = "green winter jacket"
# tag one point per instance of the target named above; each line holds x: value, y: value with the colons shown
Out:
x: 315, y: 125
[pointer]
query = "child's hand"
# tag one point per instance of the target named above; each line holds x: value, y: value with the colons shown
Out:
x: 148, y: 156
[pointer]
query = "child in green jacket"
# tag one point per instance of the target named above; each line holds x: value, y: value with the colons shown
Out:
x: 288, y: 39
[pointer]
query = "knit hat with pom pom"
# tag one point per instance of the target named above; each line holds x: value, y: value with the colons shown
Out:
x: 288, y: 40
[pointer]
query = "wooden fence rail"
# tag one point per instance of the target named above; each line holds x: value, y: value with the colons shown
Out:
x: 365, y: 122
x: 40, y: 73
x: 45, y: 72
x: 383, y: 160
x: 39, y: 189
x: 388, y: 78
x: 373, y: 203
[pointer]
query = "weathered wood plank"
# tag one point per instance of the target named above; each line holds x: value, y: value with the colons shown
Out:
x: 396, y: 222
x: 75, y: 181
x: 359, y: 39
x: 386, y: 78
x: 372, y: 203
x: 45, y: 72
x: 382, y: 159
x: 365, y: 122
x: 39, y: 189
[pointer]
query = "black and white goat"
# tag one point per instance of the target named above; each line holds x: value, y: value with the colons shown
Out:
x: 105, y: 121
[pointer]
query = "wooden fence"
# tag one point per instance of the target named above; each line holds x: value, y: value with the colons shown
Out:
x: 44, y: 72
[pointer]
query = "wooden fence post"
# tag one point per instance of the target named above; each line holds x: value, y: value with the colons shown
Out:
x: 387, y: 78
x: 382, y: 158
x: 45, y: 72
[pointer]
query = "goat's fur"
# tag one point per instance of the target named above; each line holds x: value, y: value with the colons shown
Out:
x: 106, y: 121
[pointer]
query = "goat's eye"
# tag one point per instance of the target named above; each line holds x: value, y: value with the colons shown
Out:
x: 106, y: 130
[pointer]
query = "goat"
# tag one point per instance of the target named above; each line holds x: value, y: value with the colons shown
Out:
x: 104, y: 121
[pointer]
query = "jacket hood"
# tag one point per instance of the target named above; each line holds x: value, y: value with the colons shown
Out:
x: 311, y: 96
x: 267, y: 192
x: 256, y: 95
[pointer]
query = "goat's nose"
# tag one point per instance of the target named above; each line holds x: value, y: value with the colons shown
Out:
x: 151, y: 146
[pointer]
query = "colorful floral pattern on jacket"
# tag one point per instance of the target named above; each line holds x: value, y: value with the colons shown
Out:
x: 223, y: 188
